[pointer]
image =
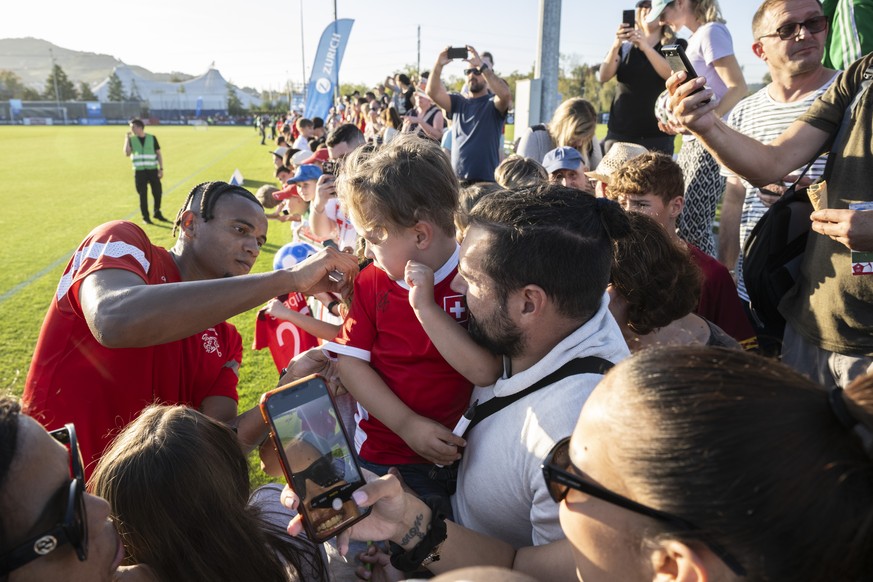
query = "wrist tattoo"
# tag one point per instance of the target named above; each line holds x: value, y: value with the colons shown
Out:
x: 415, y: 531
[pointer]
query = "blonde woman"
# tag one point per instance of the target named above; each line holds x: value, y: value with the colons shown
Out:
x: 572, y: 125
x: 711, y: 53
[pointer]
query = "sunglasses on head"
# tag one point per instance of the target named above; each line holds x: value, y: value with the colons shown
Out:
x: 559, y: 479
x: 322, y: 472
x: 73, y: 529
x: 473, y: 70
x: 792, y: 29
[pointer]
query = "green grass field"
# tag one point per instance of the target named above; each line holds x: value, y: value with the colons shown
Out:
x: 60, y: 182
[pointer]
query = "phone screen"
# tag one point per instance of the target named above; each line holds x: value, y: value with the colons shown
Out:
x: 316, y: 455
x: 329, y: 167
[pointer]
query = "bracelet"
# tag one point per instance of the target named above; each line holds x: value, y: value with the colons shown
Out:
x: 330, y: 307
x: 427, y: 550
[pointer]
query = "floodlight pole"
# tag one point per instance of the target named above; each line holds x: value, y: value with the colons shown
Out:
x: 55, y: 78
x: 548, y: 55
x: 302, y: 56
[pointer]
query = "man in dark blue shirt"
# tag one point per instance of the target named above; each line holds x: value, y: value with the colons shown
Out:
x: 477, y: 120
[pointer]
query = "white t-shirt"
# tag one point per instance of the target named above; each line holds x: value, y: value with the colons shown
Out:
x: 501, y: 490
x: 301, y: 143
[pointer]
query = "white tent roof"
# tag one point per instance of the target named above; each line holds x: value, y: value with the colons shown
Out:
x: 210, y: 86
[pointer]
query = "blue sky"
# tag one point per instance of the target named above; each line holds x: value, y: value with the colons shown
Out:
x: 258, y: 43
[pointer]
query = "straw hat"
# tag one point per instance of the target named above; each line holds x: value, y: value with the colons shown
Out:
x: 620, y: 153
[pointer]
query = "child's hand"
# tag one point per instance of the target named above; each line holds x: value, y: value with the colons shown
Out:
x: 419, y: 277
x: 432, y: 440
x: 277, y: 309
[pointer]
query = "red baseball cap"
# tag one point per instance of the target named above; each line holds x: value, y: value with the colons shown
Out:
x: 320, y: 155
x: 285, y: 194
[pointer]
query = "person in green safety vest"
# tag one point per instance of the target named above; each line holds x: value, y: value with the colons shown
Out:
x: 148, y: 167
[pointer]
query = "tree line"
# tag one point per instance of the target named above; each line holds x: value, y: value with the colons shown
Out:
x: 57, y: 86
x: 574, y: 80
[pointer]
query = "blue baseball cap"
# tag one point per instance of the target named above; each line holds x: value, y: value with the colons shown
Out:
x: 565, y: 158
x: 657, y: 8
x: 305, y: 173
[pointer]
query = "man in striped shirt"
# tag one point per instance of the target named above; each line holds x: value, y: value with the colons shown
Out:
x: 798, y: 77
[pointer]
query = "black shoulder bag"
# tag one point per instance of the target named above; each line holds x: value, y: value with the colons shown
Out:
x: 587, y: 365
x: 773, y: 253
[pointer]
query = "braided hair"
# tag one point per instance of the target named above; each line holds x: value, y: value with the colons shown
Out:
x: 205, y: 196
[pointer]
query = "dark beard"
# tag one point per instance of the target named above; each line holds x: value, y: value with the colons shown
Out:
x: 476, y: 85
x: 502, y: 336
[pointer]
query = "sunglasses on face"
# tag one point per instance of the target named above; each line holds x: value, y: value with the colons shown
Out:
x: 73, y: 529
x: 474, y: 70
x: 559, y: 479
x: 322, y: 472
x: 792, y: 29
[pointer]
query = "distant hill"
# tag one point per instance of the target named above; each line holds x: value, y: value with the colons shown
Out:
x: 29, y: 58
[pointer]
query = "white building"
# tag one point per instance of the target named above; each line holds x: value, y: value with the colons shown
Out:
x: 211, y: 87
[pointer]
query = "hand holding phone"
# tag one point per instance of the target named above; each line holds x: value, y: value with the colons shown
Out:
x: 315, y: 454
x: 678, y: 61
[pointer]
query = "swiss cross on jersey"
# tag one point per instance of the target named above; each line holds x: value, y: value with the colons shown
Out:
x: 456, y: 306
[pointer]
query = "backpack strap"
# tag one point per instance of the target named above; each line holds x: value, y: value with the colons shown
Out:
x: 587, y: 365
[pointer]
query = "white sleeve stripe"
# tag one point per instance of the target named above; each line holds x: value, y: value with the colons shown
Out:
x: 347, y: 351
x: 115, y: 249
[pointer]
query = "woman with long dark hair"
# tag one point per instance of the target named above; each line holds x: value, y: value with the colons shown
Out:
x: 178, y: 485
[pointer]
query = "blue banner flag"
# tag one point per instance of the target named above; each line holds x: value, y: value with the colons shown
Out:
x: 325, y: 70
x: 199, y: 107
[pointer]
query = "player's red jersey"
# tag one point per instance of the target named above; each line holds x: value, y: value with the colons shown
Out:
x: 73, y: 378
x: 382, y: 329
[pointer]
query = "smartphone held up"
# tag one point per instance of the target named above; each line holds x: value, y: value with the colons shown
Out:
x: 678, y: 61
x: 456, y: 53
x: 316, y: 455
